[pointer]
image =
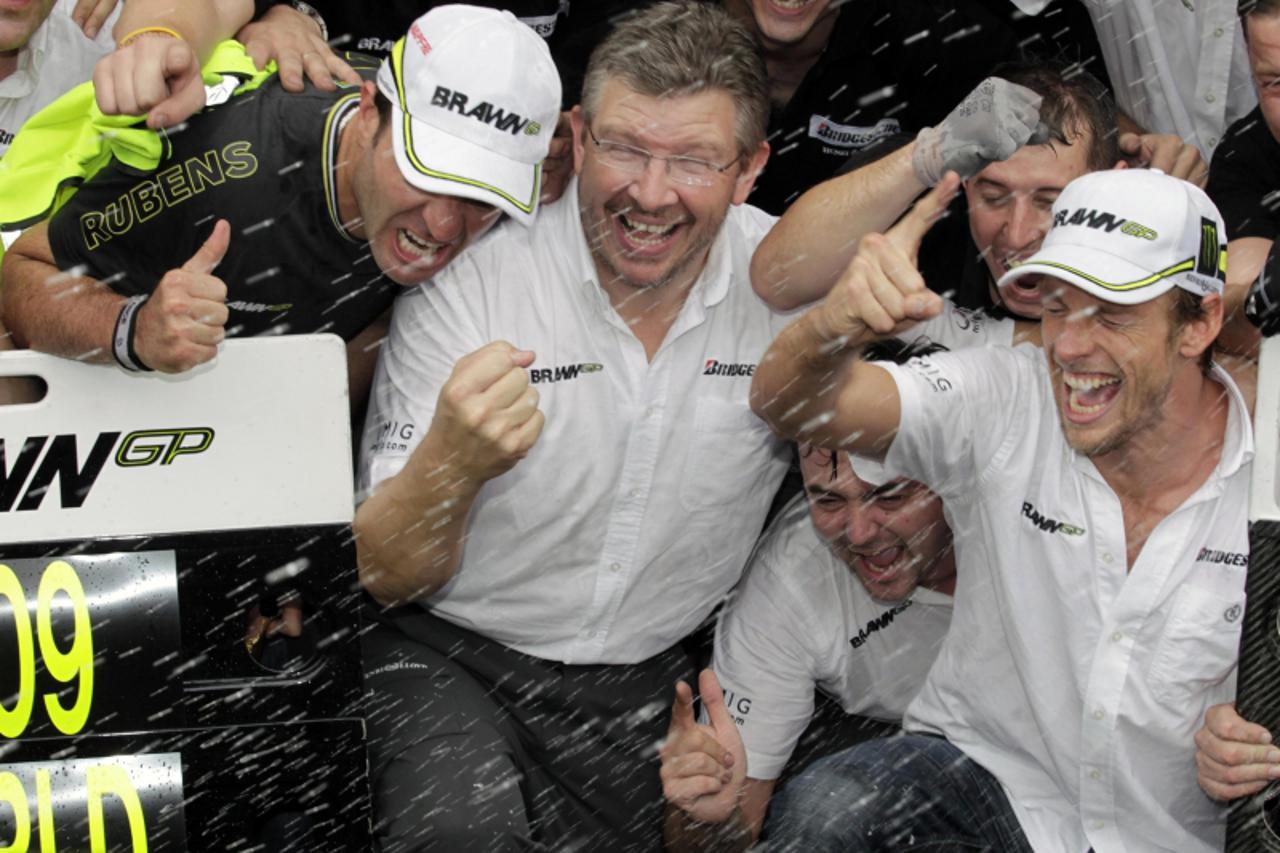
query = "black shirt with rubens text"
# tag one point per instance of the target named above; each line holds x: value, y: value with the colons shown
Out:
x: 264, y: 161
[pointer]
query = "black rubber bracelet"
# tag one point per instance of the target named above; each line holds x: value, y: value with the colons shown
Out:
x: 122, y: 343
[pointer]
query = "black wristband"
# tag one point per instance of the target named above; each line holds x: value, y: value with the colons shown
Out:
x: 122, y: 343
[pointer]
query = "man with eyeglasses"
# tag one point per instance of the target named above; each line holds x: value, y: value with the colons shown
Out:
x: 562, y: 471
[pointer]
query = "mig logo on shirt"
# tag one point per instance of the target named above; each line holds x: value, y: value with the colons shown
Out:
x: 567, y: 371
x: 484, y: 112
x: 720, y: 368
x: 1050, y: 525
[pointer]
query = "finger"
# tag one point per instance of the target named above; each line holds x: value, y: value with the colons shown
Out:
x: 1163, y: 156
x: 1223, y: 721
x: 186, y: 99
x: 259, y: 50
x: 1187, y: 163
x: 208, y: 312
x: 289, y: 65
x: 207, y: 336
x: 340, y: 70
x: 317, y: 70
x: 104, y: 88
x: 690, y: 765
x: 910, y: 230
x: 101, y: 10
x: 506, y: 390
x: 1130, y: 143
x: 208, y: 256
x: 682, y: 708
x: 713, y: 700
x: 1235, y: 773
x: 476, y: 371
x: 685, y: 792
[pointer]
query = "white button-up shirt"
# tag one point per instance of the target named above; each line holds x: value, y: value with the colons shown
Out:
x: 58, y: 57
x: 1079, y: 684
x: 801, y: 619
x: 637, y: 508
x: 1177, y: 66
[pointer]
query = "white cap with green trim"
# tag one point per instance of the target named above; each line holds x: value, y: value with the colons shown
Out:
x: 1128, y: 235
x: 475, y: 98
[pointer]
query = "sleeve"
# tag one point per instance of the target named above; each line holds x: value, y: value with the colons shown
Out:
x: 959, y: 409
x: 766, y: 668
x: 431, y: 328
x: 1234, y: 184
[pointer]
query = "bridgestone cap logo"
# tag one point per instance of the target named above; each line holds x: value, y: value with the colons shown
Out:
x: 484, y: 112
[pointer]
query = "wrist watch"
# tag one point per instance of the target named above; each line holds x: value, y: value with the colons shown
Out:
x: 310, y: 11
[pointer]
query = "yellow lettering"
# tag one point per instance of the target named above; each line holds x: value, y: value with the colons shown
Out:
x: 204, y: 171
x: 76, y: 662
x: 173, y: 185
x: 93, y: 227
x: 239, y: 159
x: 147, y: 199
x: 104, y: 780
x: 14, y: 721
x: 12, y: 792
x: 44, y: 810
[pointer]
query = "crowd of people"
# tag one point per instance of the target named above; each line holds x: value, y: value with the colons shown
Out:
x: 607, y: 272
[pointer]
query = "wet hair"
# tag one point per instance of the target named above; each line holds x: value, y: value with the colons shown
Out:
x: 1074, y: 103
x: 888, y: 349
x: 676, y: 49
x: 1258, y: 7
x: 383, y: 105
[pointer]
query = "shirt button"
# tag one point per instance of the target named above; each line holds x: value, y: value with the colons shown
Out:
x: 615, y: 567
x: 1210, y: 98
x: 1217, y: 32
x: 650, y: 411
x: 1107, y: 558
x: 634, y: 493
x: 1099, y: 714
x: 1095, y: 775
x: 1213, y: 141
x: 1117, y: 636
x: 1097, y: 824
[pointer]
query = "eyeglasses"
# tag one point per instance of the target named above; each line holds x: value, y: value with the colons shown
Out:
x: 689, y: 171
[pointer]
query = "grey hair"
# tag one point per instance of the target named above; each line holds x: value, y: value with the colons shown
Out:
x: 675, y: 49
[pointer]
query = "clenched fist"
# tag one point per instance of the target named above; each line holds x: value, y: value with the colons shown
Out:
x: 487, y: 415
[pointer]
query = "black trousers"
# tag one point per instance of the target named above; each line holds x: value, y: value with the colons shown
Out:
x: 475, y: 746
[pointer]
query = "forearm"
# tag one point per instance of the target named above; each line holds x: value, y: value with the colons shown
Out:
x: 201, y: 23
x: 683, y: 834
x: 805, y: 252
x: 54, y: 312
x: 409, y: 532
x: 1245, y: 259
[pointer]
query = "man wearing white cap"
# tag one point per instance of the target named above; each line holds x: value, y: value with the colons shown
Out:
x: 1098, y: 495
x: 297, y: 199
x: 849, y: 593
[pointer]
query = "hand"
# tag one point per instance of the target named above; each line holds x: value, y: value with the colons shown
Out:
x: 293, y: 41
x: 183, y: 322
x: 704, y: 768
x: 487, y: 415
x: 154, y: 74
x: 1234, y: 758
x: 1166, y: 152
x: 558, y: 167
x: 882, y: 290
x: 90, y: 14
x: 993, y: 121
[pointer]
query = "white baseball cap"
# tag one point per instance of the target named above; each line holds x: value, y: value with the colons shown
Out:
x: 475, y: 98
x: 1128, y: 235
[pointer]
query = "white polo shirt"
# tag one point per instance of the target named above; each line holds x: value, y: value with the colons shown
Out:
x: 800, y: 619
x: 58, y: 57
x: 1078, y: 684
x: 1177, y: 66
x: 638, y: 507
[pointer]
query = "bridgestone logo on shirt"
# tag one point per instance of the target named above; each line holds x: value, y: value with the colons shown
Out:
x: 1224, y: 558
x: 483, y: 112
x: 716, y: 368
x: 884, y: 620
x: 1050, y: 525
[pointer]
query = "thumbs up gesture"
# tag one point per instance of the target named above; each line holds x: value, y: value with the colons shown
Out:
x: 882, y: 290
x: 704, y: 767
x: 184, y: 320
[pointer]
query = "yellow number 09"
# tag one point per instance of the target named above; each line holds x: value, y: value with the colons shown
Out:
x: 76, y: 662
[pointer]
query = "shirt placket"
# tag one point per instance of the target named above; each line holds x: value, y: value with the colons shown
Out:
x: 1129, y: 599
x: 620, y: 553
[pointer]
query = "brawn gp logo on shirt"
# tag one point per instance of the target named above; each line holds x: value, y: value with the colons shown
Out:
x: 1049, y: 525
x: 563, y: 372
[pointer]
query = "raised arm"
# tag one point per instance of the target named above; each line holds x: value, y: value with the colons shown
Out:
x: 812, y: 384
x: 813, y: 242
x: 176, y: 328
x: 410, y: 531
x: 161, y: 45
